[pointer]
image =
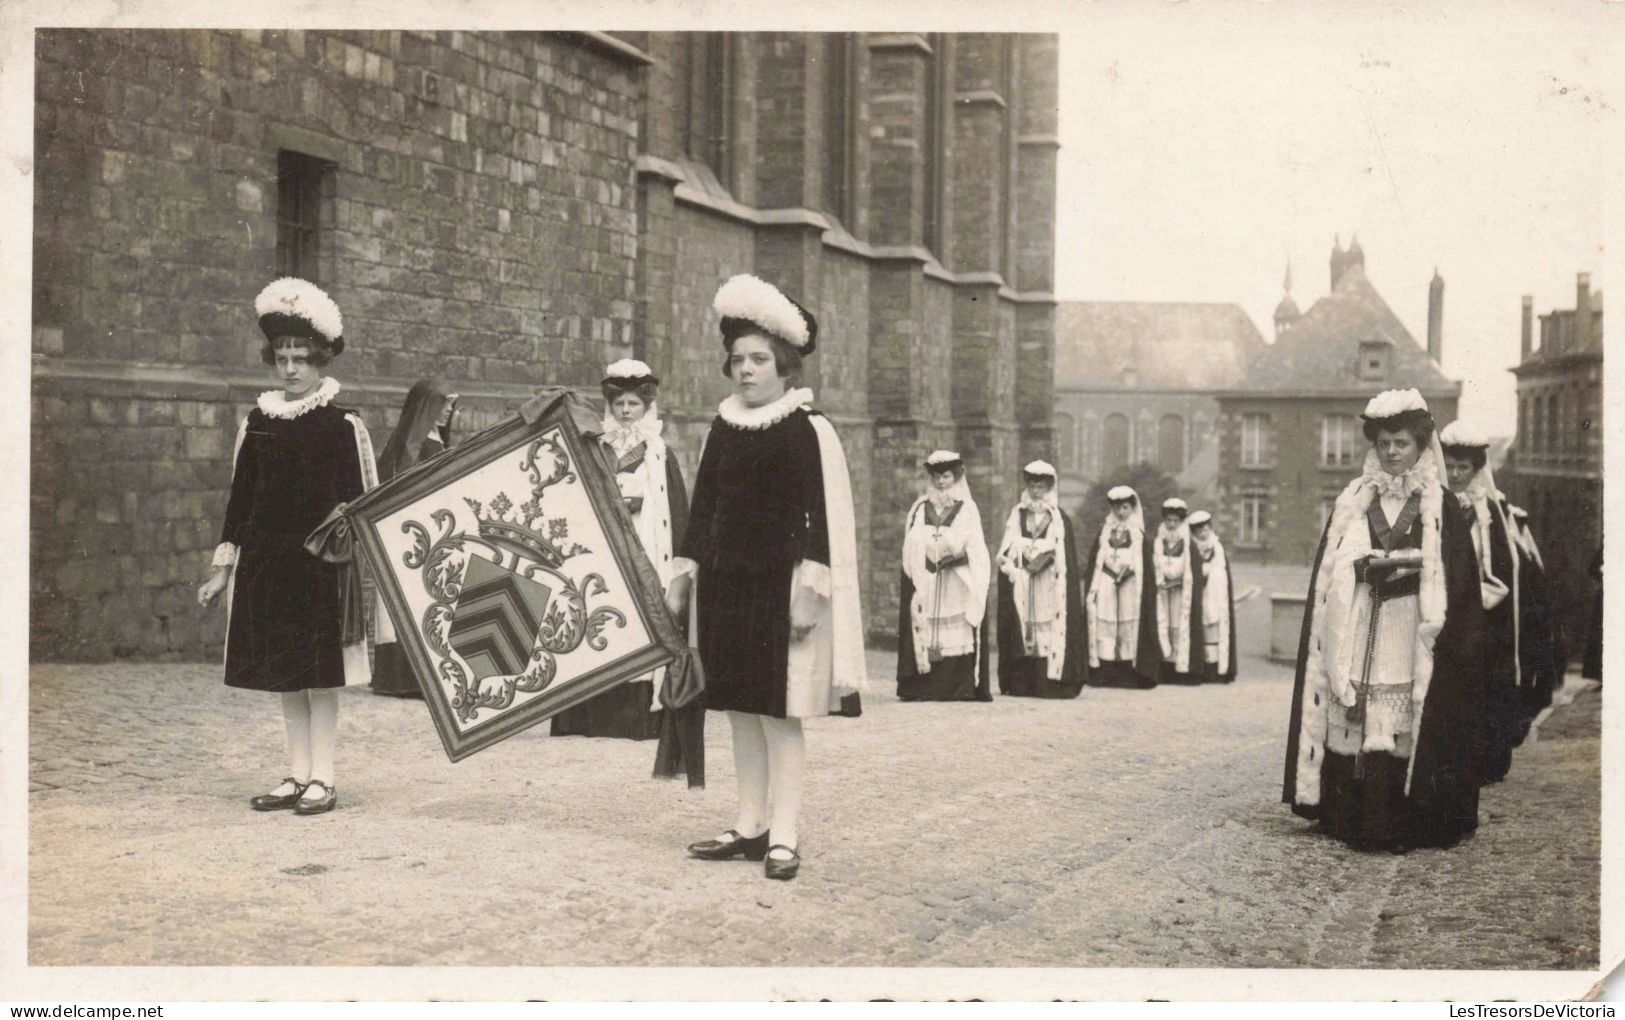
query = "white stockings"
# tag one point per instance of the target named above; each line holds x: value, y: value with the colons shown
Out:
x: 312, y: 718
x: 770, y: 759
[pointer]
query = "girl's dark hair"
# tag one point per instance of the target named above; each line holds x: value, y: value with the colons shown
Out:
x: 1418, y: 423
x: 645, y: 391
x: 785, y: 358
x: 1477, y: 456
x: 321, y: 352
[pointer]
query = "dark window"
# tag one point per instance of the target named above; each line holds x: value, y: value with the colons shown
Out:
x: 304, y: 193
x: 839, y: 124
x: 710, y: 100
x: 1115, y: 454
x: 1171, y: 444
x: 1554, y: 439
x: 934, y: 145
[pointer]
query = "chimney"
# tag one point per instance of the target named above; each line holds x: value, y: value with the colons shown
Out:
x: 1582, y: 313
x: 1436, y: 318
x: 1527, y: 339
x: 1339, y: 259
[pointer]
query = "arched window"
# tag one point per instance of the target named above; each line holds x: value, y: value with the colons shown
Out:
x: 1114, y: 454
x: 1066, y: 441
x: 1089, y: 448
x: 1171, y: 444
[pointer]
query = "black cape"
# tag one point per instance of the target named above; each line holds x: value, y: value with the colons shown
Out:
x: 1148, y: 650
x: 1022, y: 676
x: 1447, y: 750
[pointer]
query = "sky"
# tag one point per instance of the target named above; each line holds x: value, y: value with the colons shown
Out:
x: 1203, y: 147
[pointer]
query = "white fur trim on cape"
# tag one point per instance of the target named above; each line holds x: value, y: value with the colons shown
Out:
x: 741, y: 415
x: 1216, y: 585
x: 301, y: 299
x: 1179, y: 653
x: 1333, y: 651
x: 964, y: 532
x: 1013, y: 552
x: 828, y: 664
x: 276, y: 403
x: 1391, y: 402
x: 750, y: 297
x: 357, y: 667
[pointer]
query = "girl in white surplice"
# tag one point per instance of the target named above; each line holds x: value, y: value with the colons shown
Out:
x: 771, y: 556
x: 294, y: 623
x: 1218, y: 603
x: 1387, y: 724
x: 652, y: 491
x: 942, y: 650
x: 1041, y: 629
x: 1125, y: 650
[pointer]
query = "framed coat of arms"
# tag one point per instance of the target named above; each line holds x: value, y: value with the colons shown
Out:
x: 512, y: 575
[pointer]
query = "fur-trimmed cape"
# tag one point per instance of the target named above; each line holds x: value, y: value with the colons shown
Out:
x: 1022, y: 676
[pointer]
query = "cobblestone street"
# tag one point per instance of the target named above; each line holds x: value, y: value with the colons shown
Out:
x: 1122, y: 829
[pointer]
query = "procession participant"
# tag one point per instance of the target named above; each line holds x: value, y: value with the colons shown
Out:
x: 1124, y: 649
x: 1543, y: 662
x: 1218, y: 602
x: 1041, y: 628
x: 1178, y: 584
x: 1388, y: 697
x: 423, y: 431
x: 769, y: 565
x: 942, y: 653
x: 1466, y: 463
x: 1591, y: 665
x: 652, y: 490
x: 295, y: 623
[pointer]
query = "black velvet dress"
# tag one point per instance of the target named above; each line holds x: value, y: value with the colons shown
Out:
x: 758, y: 509
x: 284, y: 632
x: 1503, y: 708
x: 1362, y: 798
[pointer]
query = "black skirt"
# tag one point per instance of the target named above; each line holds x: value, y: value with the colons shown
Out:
x: 284, y: 633
x: 392, y: 672
x: 949, y: 679
x: 1370, y: 811
x: 1027, y: 676
x: 622, y: 711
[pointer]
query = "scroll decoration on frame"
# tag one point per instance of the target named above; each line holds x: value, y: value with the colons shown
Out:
x: 513, y: 578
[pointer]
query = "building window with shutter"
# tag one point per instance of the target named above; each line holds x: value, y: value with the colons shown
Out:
x: 1254, y: 439
x: 1252, y: 518
x: 304, y: 206
x: 1337, y: 444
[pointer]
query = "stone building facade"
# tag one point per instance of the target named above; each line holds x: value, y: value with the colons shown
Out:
x: 502, y: 211
x: 1555, y: 467
x: 1289, y: 430
x: 1135, y: 382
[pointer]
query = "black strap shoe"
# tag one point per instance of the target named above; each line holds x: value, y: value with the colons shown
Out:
x: 753, y: 848
x: 328, y: 801
x: 278, y: 802
x: 784, y: 870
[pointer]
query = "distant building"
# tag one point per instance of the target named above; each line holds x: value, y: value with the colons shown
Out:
x: 1555, y: 467
x: 1135, y: 382
x: 1289, y: 430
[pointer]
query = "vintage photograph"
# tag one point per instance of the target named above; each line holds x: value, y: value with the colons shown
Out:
x: 1113, y: 487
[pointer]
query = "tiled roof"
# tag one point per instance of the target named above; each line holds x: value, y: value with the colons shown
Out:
x: 1320, y: 353
x: 1166, y: 345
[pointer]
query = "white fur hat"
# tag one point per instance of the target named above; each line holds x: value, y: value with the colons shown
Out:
x: 748, y: 303
x: 943, y: 459
x: 628, y: 368
x: 1463, y: 433
x: 1119, y: 493
x: 1200, y: 518
x: 1039, y: 469
x: 1392, y: 403
x: 290, y: 306
x: 1175, y: 503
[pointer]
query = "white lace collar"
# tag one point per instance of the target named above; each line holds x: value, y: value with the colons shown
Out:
x: 740, y: 415
x: 622, y: 438
x: 1401, y: 486
x: 276, y: 403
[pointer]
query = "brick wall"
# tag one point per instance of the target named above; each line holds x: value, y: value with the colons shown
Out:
x: 509, y: 210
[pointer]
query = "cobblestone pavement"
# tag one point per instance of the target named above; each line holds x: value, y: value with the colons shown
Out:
x: 1128, y: 829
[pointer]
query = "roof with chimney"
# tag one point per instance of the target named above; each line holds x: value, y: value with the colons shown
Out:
x: 1152, y: 345
x: 1321, y: 353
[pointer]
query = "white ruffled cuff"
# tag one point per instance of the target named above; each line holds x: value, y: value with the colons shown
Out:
x: 682, y: 566
x: 225, y: 555
x: 815, y: 576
